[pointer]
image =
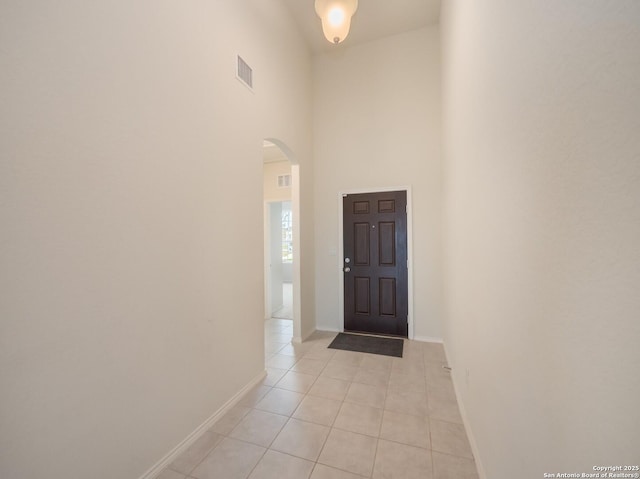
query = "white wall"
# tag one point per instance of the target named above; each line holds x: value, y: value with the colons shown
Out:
x: 130, y: 178
x: 542, y: 193
x: 272, y: 192
x: 377, y: 124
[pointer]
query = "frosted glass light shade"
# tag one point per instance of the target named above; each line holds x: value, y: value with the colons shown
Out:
x: 336, y: 17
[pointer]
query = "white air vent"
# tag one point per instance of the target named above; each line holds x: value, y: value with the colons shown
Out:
x: 244, y: 73
x: 284, y: 181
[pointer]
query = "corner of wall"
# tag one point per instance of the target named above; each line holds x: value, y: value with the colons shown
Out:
x: 455, y: 379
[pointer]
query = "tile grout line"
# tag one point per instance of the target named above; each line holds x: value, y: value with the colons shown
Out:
x: 401, y: 368
x: 306, y: 394
x: 254, y: 467
x: 276, y: 435
x: 330, y: 426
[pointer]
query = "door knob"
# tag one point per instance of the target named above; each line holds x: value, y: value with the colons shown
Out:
x: 347, y: 269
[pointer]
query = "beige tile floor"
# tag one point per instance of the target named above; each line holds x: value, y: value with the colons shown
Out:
x: 327, y: 414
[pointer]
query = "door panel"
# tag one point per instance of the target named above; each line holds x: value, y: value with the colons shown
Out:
x: 387, y: 297
x: 387, y: 242
x: 362, y: 295
x: 375, y: 267
x: 361, y: 208
x: 361, y: 244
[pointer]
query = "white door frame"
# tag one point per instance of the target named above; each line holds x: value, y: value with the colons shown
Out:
x: 340, y: 265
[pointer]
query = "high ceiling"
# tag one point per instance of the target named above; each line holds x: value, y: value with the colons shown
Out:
x: 373, y: 19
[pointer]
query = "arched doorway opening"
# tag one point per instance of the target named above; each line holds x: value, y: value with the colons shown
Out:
x: 281, y: 241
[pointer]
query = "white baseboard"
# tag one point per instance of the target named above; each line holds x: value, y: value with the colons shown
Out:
x: 300, y: 339
x: 428, y: 339
x: 329, y: 329
x: 156, y: 469
x: 467, y: 426
x: 309, y: 335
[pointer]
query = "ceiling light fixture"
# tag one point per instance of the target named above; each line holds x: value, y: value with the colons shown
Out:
x: 336, y: 18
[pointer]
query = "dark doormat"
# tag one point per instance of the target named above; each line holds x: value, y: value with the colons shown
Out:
x: 368, y: 344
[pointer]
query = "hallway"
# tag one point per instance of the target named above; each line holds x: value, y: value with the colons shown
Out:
x: 136, y: 273
x: 327, y: 414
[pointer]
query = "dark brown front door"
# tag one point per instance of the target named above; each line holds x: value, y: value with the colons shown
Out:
x: 375, y: 262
